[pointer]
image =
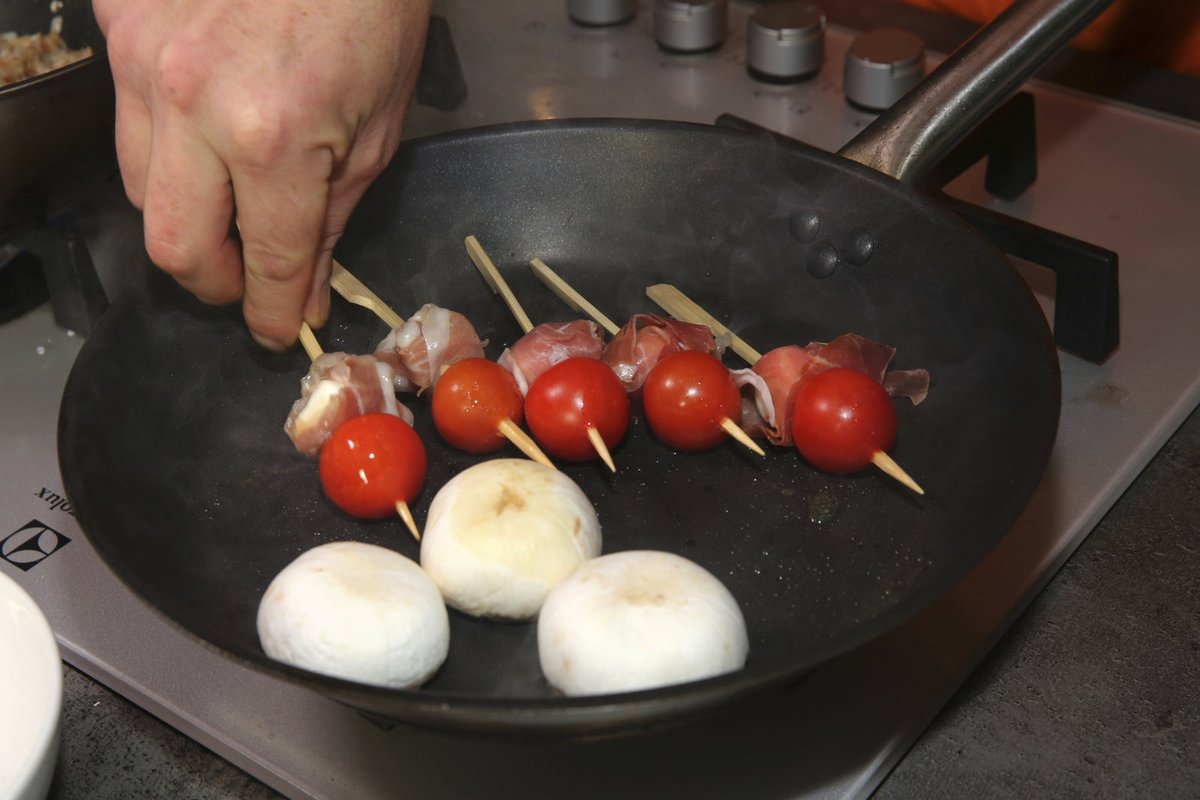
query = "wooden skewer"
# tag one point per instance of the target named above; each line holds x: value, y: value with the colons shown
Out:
x: 406, y: 514
x: 313, y: 348
x: 509, y: 430
x: 309, y: 340
x: 498, y: 284
x: 577, y: 301
x: 734, y: 430
x: 684, y: 309
x: 891, y: 468
x: 495, y: 280
x: 355, y: 291
x: 572, y: 298
x: 680, y: 306
x: 601, y: 448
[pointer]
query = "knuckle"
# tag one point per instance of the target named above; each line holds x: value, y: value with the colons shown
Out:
x: 181, y: 75
x: 273, y: 266
x: 259, y: 135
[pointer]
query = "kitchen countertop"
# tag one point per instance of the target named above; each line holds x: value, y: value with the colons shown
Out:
x: 1095, y: 691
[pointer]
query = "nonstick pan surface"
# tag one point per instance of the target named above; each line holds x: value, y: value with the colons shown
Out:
x: 173, y: 453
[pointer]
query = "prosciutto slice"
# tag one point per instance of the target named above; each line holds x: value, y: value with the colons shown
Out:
x: 431, y: 339
x: 548, y: 344
x: 782, y: 370
x: 646, y: 339
x: 339, y: 387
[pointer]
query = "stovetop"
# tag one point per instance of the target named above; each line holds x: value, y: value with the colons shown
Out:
x: 1111, y: 174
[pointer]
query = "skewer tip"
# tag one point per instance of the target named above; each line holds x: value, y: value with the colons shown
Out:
x: 406, y: 514
x: 736, y: 432
x: 509, y: 430
x: 601, y: 448
x: 894, y: 470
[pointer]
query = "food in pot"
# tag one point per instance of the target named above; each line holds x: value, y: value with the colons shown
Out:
x: 501, y: 534
x: 371, y: 464
x: 687, y: 399
x: 472, y: 400
x: 775, y: 378
x: 549, y: 344
x: 426, y: 344
x: 646, y: 339
x: 24, y: 57
x: 338, y: 387
x: 842, y: 420
x: 638, y: 620
x: 356, y: 611
x: 573, y: 398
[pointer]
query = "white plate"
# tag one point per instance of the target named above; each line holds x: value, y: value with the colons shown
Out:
x: 30, y: 696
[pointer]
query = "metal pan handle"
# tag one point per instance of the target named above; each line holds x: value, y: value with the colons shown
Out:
x: 922, y: 127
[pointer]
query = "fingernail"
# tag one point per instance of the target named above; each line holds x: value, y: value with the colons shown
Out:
x: 267, y: 342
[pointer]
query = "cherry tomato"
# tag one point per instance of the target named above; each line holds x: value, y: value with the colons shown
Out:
x: 572, y: 396
x: 687, y: 396
x: 842, y: 419
x: 371, y: 462
x: 470, y: 401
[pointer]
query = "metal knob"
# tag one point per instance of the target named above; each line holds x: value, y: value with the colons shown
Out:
x: 690, y: 26
x: 881, y: 66
x: 600, y: 13
x: 785, y: 42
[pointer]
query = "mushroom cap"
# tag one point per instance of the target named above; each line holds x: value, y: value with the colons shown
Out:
x: 356, y: 611
x: 639, y: 619
x: 501, y: 534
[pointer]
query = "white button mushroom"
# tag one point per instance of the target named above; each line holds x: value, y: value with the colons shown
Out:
x: 502, y: 533
x: 637, y: 620
x: 356, y: 611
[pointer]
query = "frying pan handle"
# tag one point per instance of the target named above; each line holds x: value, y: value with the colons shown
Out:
x: 916, y: 133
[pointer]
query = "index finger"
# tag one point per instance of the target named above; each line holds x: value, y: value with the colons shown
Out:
x: 281, y: 214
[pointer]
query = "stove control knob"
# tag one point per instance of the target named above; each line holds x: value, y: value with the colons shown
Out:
x: 600, y: 13
x: 785, y: 42
x: 881, y: 66
x: 690, y: 26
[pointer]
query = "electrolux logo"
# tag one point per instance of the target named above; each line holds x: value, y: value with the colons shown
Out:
x: 25, y: 547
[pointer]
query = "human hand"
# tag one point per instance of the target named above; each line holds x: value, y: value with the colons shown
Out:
x: 283, y: 110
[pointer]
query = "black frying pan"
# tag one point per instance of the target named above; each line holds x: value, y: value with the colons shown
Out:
x: 173, y: 454
x: 56, y: 130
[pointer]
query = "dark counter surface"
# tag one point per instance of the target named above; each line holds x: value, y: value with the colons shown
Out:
x: 1094, y: 692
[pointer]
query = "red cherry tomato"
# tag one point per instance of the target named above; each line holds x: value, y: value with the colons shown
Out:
x: 572, y: 396
x: 470, y: 401
x: 371, y: 462
x: 842, y: 419
x: 686, y: 397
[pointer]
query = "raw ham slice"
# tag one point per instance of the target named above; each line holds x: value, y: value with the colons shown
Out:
x: 783, y: 370
x: 338, y: 387
x: 431, y: 340
x: 646, y: 339
x: 548, y: 344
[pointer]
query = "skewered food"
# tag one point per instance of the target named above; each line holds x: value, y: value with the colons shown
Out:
x: 574, y: 402
x: 371, y: 464
x: 470, y: 402
x: 501, y: 534
x: 356, y: 611
x: 780, y: 372
x: 691, y: 401
x: 646, y: 339
x: 429, y: 341
x: 548, y: 344
x: 338, y: 387
x: 842, y: 420
x: 637, y: 620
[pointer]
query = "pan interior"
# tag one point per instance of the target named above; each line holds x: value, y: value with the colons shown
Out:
x: 173, y: 452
